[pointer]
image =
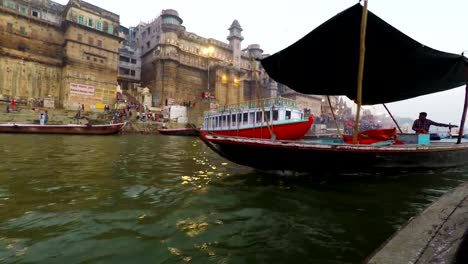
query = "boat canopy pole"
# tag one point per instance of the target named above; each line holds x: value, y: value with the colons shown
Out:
x: 334, y: 117
x: 396, y: 123
x: 362, y: 52
x: 257, y: 92
x: 465, y: 106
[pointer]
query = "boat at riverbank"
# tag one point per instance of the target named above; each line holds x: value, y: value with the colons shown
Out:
x: 106, y: 129
x: 330, y: 61
x: 277, y: 118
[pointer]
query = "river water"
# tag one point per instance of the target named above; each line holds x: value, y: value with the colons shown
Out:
x: 165, y: 199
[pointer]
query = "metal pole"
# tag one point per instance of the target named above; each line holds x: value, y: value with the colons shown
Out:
x: 209, y: 64
x: 334, y: 117
x: 362, y: 52
x: 462, y: 123
x: 399, y: 129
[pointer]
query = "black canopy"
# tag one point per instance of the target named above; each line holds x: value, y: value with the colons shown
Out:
x: 325, y: 62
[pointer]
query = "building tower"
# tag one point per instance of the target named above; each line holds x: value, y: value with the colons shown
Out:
x: 235, y: 38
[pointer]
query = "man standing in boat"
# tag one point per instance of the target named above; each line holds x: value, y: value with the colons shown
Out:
x: 421, y: 125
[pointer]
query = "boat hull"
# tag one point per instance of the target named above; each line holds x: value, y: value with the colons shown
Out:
x: 107, y: 129
x: 285, y: 131
x: 179, y: 131
x: 304, y: 156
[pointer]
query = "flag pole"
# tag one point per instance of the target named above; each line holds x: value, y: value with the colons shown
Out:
x: 362, y: 52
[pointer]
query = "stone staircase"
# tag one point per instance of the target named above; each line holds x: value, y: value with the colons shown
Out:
x: 24, y: 114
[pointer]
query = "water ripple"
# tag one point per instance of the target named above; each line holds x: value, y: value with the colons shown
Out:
x: 143, y: 199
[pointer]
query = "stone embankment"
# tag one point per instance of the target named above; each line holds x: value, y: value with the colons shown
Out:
x: 29, y: 115
x: 437, y: 235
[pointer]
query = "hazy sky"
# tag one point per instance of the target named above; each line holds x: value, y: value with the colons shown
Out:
x: 275, y: 24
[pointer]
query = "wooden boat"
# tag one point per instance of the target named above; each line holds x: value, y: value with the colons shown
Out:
x: 279, y: 118
x: 312, y: 155
x: 179, y: 131
x: 106, y: 129
x: 329, y: 61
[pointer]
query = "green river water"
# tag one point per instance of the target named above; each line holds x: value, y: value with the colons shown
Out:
x: 165, y: 199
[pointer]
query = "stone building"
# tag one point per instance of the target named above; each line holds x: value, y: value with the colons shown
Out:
x: 65, y: 52
x: 181, y: 67
x: 129, y: 72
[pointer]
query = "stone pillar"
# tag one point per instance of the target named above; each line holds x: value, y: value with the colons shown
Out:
x: 147, y: 97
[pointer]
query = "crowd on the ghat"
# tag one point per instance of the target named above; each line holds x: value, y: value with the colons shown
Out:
x: 143, y: 113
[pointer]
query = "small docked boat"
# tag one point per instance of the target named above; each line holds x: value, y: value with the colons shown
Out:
x: 179, y: 131
x: 277, y: 118
x: 106, y: 129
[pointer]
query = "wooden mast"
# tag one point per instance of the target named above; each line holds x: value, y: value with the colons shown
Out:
x: 362, y: 52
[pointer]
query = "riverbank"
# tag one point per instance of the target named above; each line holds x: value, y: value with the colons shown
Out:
x: 437, y: 235
x: 63, y: 117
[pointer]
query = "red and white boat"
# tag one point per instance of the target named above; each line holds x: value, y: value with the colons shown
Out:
x: 106, y: 129
x: 259, y: 119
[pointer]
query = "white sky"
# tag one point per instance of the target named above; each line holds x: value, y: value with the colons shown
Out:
x: 276, y: 24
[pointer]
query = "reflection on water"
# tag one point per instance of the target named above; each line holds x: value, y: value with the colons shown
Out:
x: 163, y: 199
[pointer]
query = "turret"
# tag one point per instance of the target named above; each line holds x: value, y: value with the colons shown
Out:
x: 235, y: 38
x: 255, y: 51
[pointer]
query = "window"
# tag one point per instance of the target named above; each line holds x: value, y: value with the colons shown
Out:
x: 132, y: 72
x: 80, y: 37
x: 259, y: 117
x: 88, y: 58
x: 10, y: 5
x: 35, y: 13
x: 288, y: 115
x: 81, y: 20
x: 275, y: 115
x: 90, y: 41
x: 133, y: 61
x: 245, y: 118
x: 102, y: 61
x: 124, y: 59
x: 23, y: 9
x: 124, y: 71
x: 99, y: 25
x: 110, y: 30
x: 148, y: 44
x: 90, y: 22
x: 223, y: 121
x: 149, y: 30
x: 267, y: 116
x: 10, y: 27
x: 99, y: 43
x: 22, y: 30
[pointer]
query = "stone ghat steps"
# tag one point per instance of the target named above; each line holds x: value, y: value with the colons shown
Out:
x: 56, y: 116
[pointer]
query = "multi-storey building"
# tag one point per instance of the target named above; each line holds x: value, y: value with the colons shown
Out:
x: 179, y: 66
x: 129, y: 72
x: 67, y: 52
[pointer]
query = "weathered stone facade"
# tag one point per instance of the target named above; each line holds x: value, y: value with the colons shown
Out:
x: 69, y: 53
x: 179, y: 66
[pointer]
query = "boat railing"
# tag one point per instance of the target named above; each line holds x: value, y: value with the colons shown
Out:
x: 264, y: 102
